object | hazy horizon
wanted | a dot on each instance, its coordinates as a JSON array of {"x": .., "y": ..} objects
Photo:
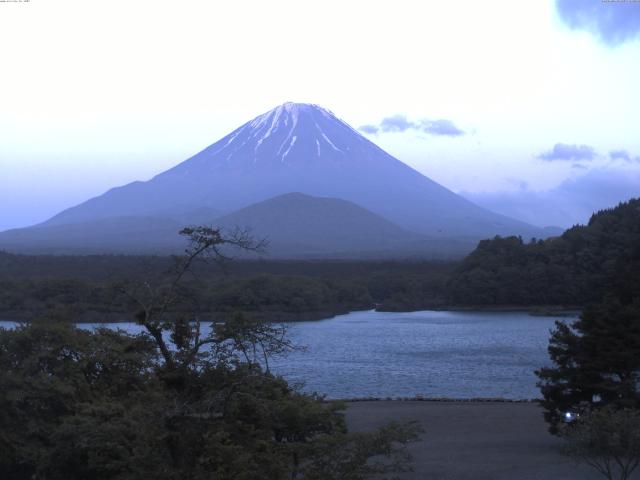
[{"x": 528, "y": 109}]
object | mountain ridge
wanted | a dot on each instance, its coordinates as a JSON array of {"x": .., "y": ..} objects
[
  {"x": 298, "y": 224},
  {"x": 294, "y": 225},
  {"x": 299, "y": 148}
]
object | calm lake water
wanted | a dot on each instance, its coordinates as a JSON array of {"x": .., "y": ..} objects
[{"x": 434, "y": 354}]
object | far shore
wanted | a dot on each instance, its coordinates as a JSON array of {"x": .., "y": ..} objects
[
  {"x": 541, "y": 310},
  {"x": 292, "y": 317},
  {"x": 102, "y": 317}
]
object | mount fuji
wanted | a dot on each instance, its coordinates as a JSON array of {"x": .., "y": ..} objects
[{"x": 293, "y": 148}]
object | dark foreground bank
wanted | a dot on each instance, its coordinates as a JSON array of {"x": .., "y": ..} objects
[{"x": 475, "y": 441}]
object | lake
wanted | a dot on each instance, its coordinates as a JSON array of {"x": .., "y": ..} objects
[{"x": 404, "y": 354}]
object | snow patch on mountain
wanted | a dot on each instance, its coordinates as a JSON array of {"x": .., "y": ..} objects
[{"x": 293, "y": 142}]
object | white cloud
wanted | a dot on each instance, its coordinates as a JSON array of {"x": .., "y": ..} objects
[{"x": 571, "y": 202}]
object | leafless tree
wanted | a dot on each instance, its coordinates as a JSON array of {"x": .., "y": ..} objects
[{"x": 180, "y": 337}]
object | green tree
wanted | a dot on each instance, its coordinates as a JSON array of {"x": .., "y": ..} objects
[
  {"x": 72, "y": 402},
  {"x": 596, "y": 361},
  {"x": 181, "y": 400},
  {"x": 581, "y": 266},
  {"x": 607, "y": 440}
]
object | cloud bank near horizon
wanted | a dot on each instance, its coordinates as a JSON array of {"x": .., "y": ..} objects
[
  {"x": 400, "y": 123},
  {"x": 623, "y": 155},
  {"x": 568, "y": 153},
  {"x": 570, "y": 203}
]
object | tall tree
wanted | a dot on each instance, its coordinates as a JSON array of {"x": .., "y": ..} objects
[
  {"x": 597, "y": 359},
  {"x": 608, "y": 440},
  {"x": 181, "y": 400}
]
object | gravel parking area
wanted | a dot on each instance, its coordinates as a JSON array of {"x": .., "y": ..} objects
[{"x": 475, "y": 440}]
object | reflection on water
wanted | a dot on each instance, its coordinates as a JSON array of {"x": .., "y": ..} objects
[{"x": 434, "y": 354}]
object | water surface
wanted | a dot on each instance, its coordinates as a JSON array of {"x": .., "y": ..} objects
[{"x": 429, "y": 353}]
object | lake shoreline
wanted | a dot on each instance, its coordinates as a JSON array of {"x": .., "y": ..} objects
[
  {"x": 316, "y": 315},
  {"x": 420, "y": 398},
  {"x": 536, "y": 310},
  {"x": 105, "y": 317}
]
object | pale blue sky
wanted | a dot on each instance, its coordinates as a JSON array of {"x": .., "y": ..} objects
[{"x": 98, "y": 94}]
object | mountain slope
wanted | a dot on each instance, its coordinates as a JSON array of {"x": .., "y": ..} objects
[
  {"x": 126, "y": 234},
  {"x": 116, "y": 234},
  {"x": 296, "y": 224},
  {"x": 300, "y": 148}
]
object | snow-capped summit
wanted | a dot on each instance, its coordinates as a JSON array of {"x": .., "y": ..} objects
[
  {"x": 289, "y": 134},
  {"x": 298, "y": 147}
]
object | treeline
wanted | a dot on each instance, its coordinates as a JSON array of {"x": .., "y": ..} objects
[
  {"x": 94, "y": 288},
  {"x": 275, "y": 297},
  {"x": 573, "y": 269}
]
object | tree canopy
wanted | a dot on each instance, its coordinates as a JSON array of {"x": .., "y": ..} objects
[
  {"x": 576, "y": 268},
  {"x": 177, "y": 401},
  {"x": 596, "y": 360}
]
